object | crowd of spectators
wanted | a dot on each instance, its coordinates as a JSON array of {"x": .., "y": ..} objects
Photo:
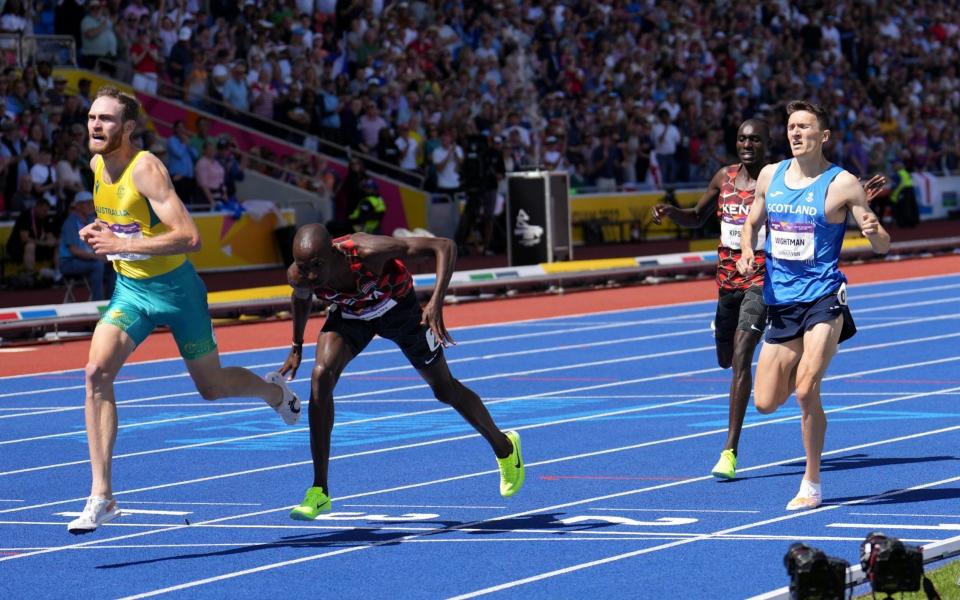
[
  {"x": 616, "y": 91},
  {"x": 45, "y": 175},
  {"x": 620, "y": 93}
]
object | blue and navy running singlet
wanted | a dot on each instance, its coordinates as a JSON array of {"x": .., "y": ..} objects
[{"x": 802, "y": 247}]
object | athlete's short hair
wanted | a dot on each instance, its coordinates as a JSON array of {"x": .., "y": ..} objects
[
  {"x": 130, "y": 107},
  {"x": 818, "y": 111}
]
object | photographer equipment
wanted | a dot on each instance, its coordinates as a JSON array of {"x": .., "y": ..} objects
[
  {"x": 474, "y": 168},
  {"x": 889, "y": 565},
  {"x": 814, "y": 575}
]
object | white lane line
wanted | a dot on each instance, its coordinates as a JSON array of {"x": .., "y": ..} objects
[
  {"x": 679, "y": 510},
  {"x": 271, "y": 566},
  {"x": 167, "y": 503},
  {"x": 560, "y": 531},
  {"x": 906, "y": 292},
  {"x": 910, "y": 515},
  {"x": 487, "y": 357},
  {"x": 289, "y": 431},
  {"x": 885, "y": 526},
  {"x": 377, "y": 371},
  {"x": 431, "y": 400},
  {"x": 640, "y": 309},
  {"x": 561, "y": 331},
  {"x": 207, "y": 404},
  {"x": 80, "y": 406},
  {"x": 457, "y": 506},
  {"x": 83, "y": 432},
  {"x": 544, "y": 394},
  {"x": 471, "y": 475},
  {"x": 391, "y": 350},
  {"x": 134, "y": 511},
  {"x": 541, "y": 395},
  {"x": 626, "y": 555},
  {"x": 566, "y": 538}
]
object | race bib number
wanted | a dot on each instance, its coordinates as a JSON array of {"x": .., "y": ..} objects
[
  {"x": 731, "y": 235},
  {"x": 128, "y": 231},
  {"x": 792, "y": 241},
  {"x": 371, "y": 312}
]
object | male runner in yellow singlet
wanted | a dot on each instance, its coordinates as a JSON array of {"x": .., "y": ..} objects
[{"x": 144, "y": 228}]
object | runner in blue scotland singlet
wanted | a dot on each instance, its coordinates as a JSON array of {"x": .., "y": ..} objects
[
  {"x": 804, "y": 203},
  {"x": 803, "y": 247}
]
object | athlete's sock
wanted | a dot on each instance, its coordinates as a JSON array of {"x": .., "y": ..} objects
[{"x": 809, "y": 489}]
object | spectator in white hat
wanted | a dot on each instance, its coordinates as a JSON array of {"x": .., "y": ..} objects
[{"x": 76, "y": 257}]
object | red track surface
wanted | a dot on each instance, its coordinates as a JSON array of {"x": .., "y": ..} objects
[{"x": 73, "y": 355}]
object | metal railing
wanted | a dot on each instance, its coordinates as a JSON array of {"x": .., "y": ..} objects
[
  {"x": 18, "y": 50},
  {"x": 320, "y": 195}
]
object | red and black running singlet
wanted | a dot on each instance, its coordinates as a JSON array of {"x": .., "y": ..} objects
[
  {"x": 733, "y": 205},
  {"x": 376, "y": 294}
]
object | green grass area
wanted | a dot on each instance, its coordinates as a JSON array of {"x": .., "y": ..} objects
[{"x": 945, "y": 579}]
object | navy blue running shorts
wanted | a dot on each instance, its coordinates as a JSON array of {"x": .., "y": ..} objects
[{"x": 791, "y": 321}]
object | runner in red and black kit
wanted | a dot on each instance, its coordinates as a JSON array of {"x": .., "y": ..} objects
[
  {"x": 741, "y": 313},
  {"x": 369, "y": 292}
]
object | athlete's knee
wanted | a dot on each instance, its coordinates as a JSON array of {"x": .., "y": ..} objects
[
  {"x": 765, "y": 405},
  {"x": 808, "y": 395},
  {"x": 447, "y": 394},
  {"x": 98, "y": 376},
  {"x": 768, "y": 401},
  {"x": 450, "y": 391},
  {"x": 208, "y": 390},
  {"x": 323, "y": 379}
]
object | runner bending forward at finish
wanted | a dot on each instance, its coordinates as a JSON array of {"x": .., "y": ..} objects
[
  {"x": 804, "y": 202},
  {"x": 144, "y": 228},
  {"x": 369, "y": 292}
]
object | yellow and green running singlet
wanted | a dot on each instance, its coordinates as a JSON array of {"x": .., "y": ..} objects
[{"x": 129, "y": 215}]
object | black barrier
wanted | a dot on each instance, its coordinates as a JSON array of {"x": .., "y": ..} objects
[{"x": 538, "y": 218}]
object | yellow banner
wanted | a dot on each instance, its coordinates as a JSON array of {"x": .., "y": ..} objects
[
  {"x": 620, "y": 214},
  {"x": 227, "y": 243},
  {"x": 230, "y": 243}
]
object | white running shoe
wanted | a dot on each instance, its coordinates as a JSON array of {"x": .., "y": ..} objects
[
  {"x": 289, "y": 407},
  {"x": 97, "y": 512}
]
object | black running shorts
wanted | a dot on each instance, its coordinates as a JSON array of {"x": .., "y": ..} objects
[
  {"x": 400, "y": 324},
  {"x": 739, "y": 309}
]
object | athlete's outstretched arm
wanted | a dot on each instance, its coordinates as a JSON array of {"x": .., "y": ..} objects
[
  {"x": 301, "y": 299},
  {"x": 377, "y": 249},
  {"x": 695, "y": 216},
  {"x": 153, "y": 181},
  {"x": 855, "y": 197},
  {"x": 755, "y": 220}
]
